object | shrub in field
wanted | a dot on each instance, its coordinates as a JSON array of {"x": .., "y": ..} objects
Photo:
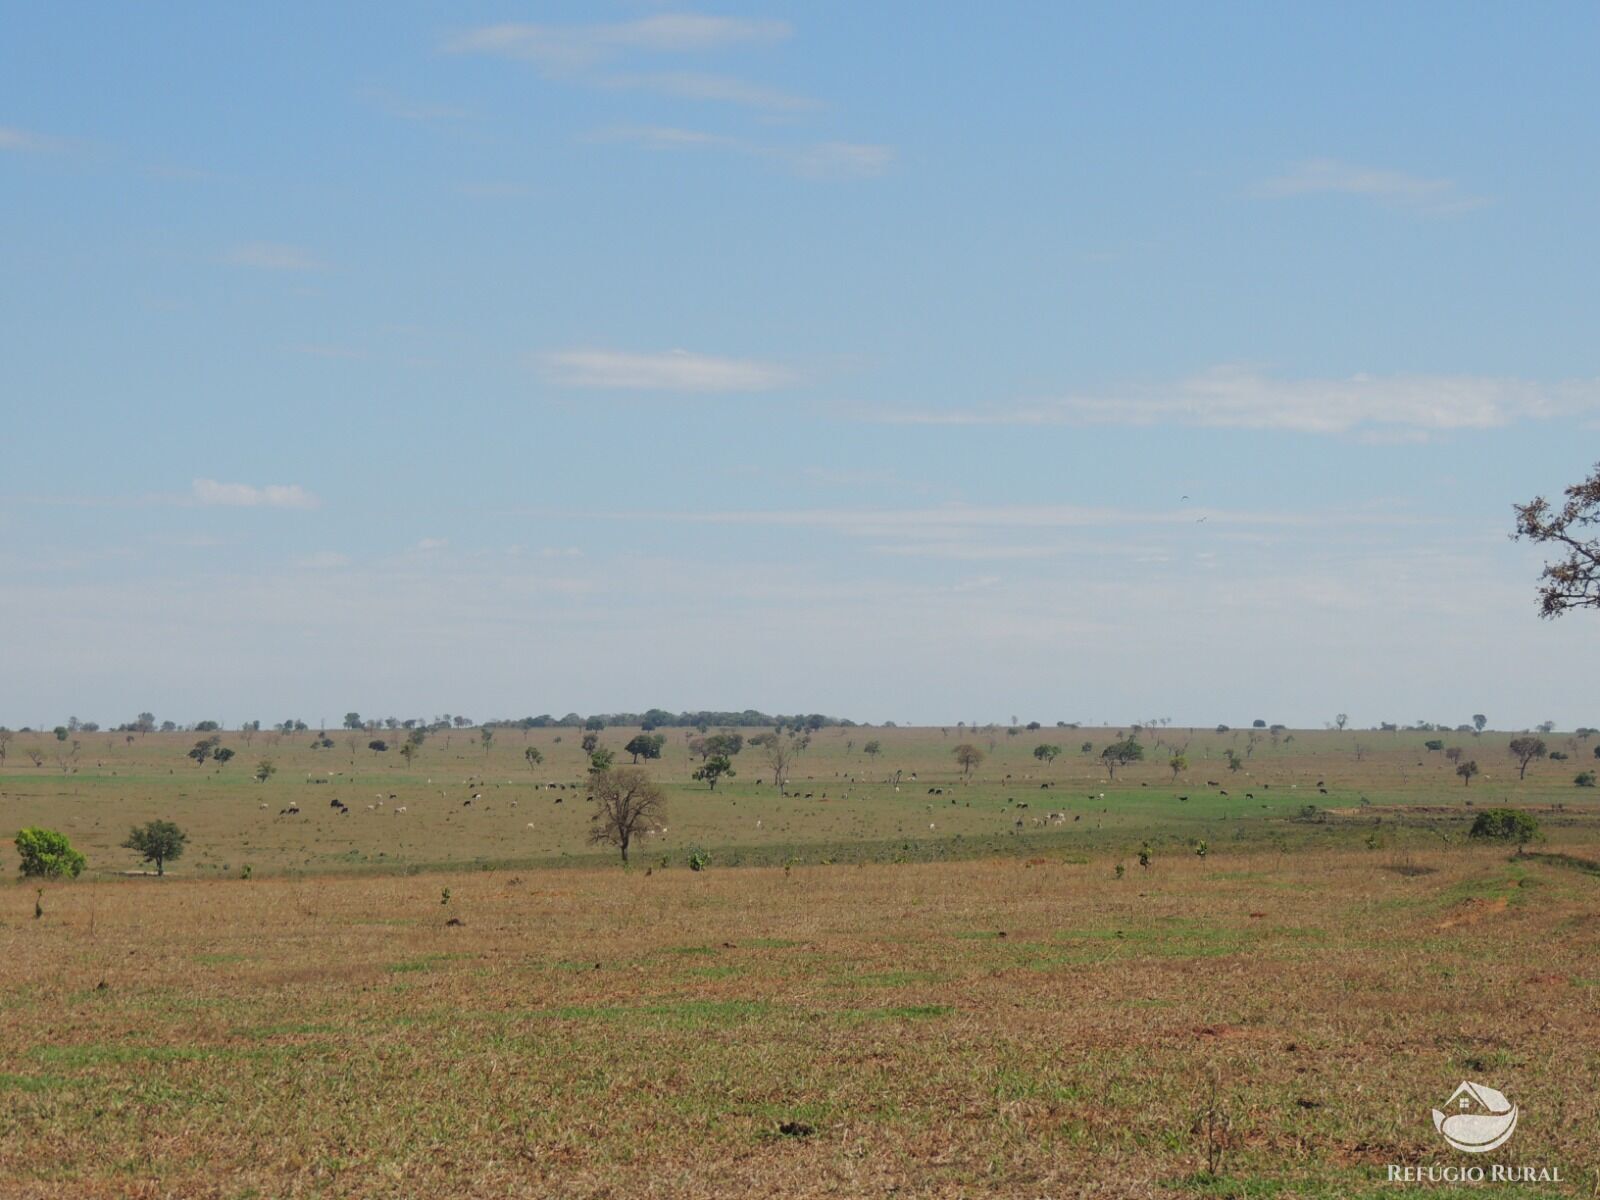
[
  {"x": 699, "y": 860},
  {"x": 1505, "y": 825},
  {"x": 1585, "y": 779},
  {"x": 47, "y": 854}
]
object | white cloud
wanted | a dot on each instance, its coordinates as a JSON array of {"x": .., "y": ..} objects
[
  {"x": 1376, "y": 407},
  {"x": 210, "y": 493},
  {"x": 272, "y": 256},
  {"x": 674, "y": 371},
  {"x": 570, "y": 46},
  {"x": 1324, "y": 176}
]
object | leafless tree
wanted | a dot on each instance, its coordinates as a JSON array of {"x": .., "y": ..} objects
[
  {"x": 968, "y": 757},
  {"x": 5, "y": 744},
  {"x": 1573, "y": 581},
  {"x": 627, "y": 803},
  {"x": 781, "y": 753}
]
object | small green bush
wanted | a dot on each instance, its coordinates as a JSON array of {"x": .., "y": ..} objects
[
  {"x": 47, "y": 854},
  {"x": 1505, "y": 825},
  {"x": 1585, "y": 779}
]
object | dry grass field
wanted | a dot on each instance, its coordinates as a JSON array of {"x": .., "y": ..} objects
[{"x": 1274, "y": 1018}]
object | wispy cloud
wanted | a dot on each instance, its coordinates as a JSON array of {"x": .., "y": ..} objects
[
  {"x": 566, "y": 47},
  {"x": 412, "y": 110},
  {"x": 620, "y": 54},
  {"x": 211, "y": 493},
  {"x": 821, "y": 160},
  {"x": 272, "y": 256},
  {"x": 673, "y": 371},
  {"x": 1382, "y": 407},
  {"x": 21, "y": 141},
  {"x": 721, "y": 89},
  {"x": 838, "y": 160},
  {"x": 1327, "y": 176},
  {"x": 323, "y": 560}
]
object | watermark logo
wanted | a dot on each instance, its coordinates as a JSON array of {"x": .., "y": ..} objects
[{"x": 1476, "y": 1119}]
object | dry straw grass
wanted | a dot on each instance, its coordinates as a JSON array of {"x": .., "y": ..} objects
[{"x": 985, "y": 1028}]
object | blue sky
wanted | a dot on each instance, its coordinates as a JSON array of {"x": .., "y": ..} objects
[{"x": 880, "y": 360}]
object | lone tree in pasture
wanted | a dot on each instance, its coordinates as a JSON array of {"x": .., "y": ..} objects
[
  {"x": 1453, "y": 754},
  {"x": 534, "y": 755},
  {"x": 781, "y": 754},
  {"x": 714, "y": 769},
  {"x": 203, "y": 750},
  {"x": 408, "y": 751},
  {"x": 1178, "y": 764},
  {"x": 1047, "y": 752},
  {"x": 222, "y": 754},
  {"x": 1525, "y": 750},
  {"x": 590, "y": 743},
  {"x": 1340, "y": 721},
  {"x": 486, "y": 736},
  {"x": 1467, "y": 770},
  {"x": 160, "y": 842},
  {"x": 352, "y": 720},
  {"x": 265, "y": 770},
  {"x": 5, "y": 743},
  {"x": 872, "y": 749},
  {"x": 1574, "y": 580},
  {"x": 47, "y": 854},
  {"x": 647, "y": 745},
  {"x": 627, "y": 803},
  {"x": 378, "y": 746},
  {"x": 601, "y": 760},
  {"x": 967, "y": 758},
  {"x": 1120, "y": 754},
  {"x": 1479, "y": 721}
]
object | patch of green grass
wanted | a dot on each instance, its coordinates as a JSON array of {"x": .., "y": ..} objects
[{"x": 32, "y": 1083}]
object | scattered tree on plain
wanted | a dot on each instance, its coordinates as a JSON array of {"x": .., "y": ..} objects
[
  {"x": 714, "y": 768},
  {"x": 1525, "y": 750},
  {"x": 967, "y": 757},
  {"x": 1121, "y": 753},
  {"x": 1047, "y": 752},
  {"x": 627, "y": 803},
  {"x": 781, "y": 753},
  {"x": 647, "y": 745},
  {"x": 160, "y": 842},
  {"x": 1178, "y": 764},
  {"x": 534, "y": 755},
  {"x": 1467, "y": 770}
]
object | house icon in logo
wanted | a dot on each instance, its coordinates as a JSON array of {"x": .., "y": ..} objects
[{"x": 1476, "y": 1119}]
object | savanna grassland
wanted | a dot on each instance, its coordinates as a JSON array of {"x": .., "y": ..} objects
[{"x": 868, "y": 1006}]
